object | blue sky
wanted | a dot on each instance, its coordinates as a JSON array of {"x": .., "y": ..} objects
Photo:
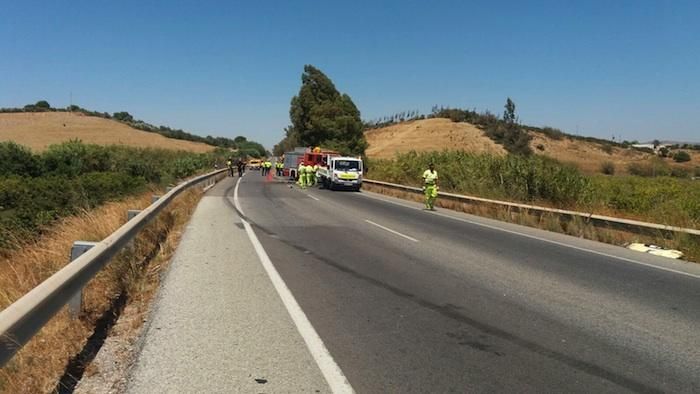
[{"x": 628, "y": 68}]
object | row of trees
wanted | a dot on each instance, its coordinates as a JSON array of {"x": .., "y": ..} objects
[{"x": 322, "y": 116}]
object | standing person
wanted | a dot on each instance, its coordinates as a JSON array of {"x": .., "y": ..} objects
[
  {"x": 280, "y": 166},
  {"x": 229, "y": 164},
  {"x": 241, "y": 166},
  {"x": 301, "y": 172},
  {"x": 313, "y": 173},
  {"x": 309, "y": 175},
  {"x": 430, "y": 182}
]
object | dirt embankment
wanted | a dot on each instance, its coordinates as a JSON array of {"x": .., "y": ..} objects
[
  {"x": 39, "y": 130},
  {"x": 428, "y": 135}
]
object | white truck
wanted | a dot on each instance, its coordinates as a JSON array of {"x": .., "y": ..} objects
[{"x": 340, "y": 172}]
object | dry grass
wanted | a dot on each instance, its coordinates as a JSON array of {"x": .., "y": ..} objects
[
  {"x": 577, "y": 227},
  {"x": 38, "y": 366},
  {"x": 39, "y": 130},
  {"x": 428, "y": 135},
  {"x": 443, "y": 134},
  {"x": 587, "y": 156}
]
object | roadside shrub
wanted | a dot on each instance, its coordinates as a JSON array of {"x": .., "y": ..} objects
[
  {"x": 513, "y": 138},
  {"x": 653, "y": 168},
  {"x": 679, "y": 172},
  {"x": 681, "y": 156},
  {"x": 35, "y": 190},
  {"x": 513, "y": 177},
  {"x": 17, "y": 160},
  {"x": 553, "y": 133},
  {"x": 608, "y": 168}
]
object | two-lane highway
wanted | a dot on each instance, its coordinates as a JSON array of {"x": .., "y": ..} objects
[{"x": 412, "y": 301}]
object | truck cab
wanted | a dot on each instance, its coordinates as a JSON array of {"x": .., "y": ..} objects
[{"x": 341, "y": 172}]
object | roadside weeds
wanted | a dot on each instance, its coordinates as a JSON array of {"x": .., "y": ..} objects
[
  {"x": 577, "y": 227},
  {"x": 39, "y": 365}
]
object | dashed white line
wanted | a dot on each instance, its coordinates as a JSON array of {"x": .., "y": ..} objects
[
  {"x": 315, "y": 198},
  {"x": 541, "y": 239},
  {"x": 329, "y": 368},
  {"x": 391, "y": 231}
]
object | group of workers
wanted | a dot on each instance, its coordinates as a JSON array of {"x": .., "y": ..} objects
[
  {"x": 307, "y": 175},
  {"x": 239, "y": 164},
  {"x": 265, "y": 167}
]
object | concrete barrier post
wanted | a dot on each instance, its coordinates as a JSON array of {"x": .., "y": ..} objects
[{"x": 75, "y": 304}]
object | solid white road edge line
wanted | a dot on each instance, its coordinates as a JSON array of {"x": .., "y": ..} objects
[
  {"x": 334, "y": 376},
  {"x": 391, "y": 231},
  {"x": 542, "y": 239}
]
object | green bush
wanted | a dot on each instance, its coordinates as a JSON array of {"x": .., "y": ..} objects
[
  {"x": 680, "y": 172},
  {"x": 37, "y": 189},
  {"x": 653, "y": 168},
  {"x": 17, "y": 160},
  {"x": 553, "y": 133},
  {"x": 525, "y": 178},
  {"x": 531, "y": 179},
  {"x": 681, "y": 156},
  {"x": 608, "y": 168}
]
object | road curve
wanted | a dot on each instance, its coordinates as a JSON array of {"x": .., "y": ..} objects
[{"x": 411, "y": 301}]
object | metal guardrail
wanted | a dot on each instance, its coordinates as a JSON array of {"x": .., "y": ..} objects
[
  {"x": 627, "y": 224},
  {"x": 20, "y": 321}
]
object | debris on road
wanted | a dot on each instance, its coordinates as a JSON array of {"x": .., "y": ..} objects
[{"x": 656, "y": 250}]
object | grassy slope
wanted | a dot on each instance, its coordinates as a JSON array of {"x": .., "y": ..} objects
[
  {"x": 439, "y": 134},
  {"x": 39, "y": 130}
]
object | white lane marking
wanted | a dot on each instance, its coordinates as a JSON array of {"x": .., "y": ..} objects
[
  {"x": 315, "y": 198},
  {"x": 542, "y": 239},
  {"x": 391, "y": 231},
  {"x": 335, "y": 378}
]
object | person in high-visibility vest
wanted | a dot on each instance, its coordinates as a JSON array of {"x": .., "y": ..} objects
[
  {"x": 310, "y": 175},
  {"x": 229, "y": 164},
  {"x": 280, "y": 167},
  {"x": 301, "y": 173},
  {"x": 430, "y": 186},
  {"x": 315, "y": 179}
]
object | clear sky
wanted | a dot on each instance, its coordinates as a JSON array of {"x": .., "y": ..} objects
[{"x": 628, "y": 68}]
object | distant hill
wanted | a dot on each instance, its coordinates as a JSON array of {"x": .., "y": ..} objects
[
  {"x": 440, "y": 133},
  {"x": 38, "y": 130}
]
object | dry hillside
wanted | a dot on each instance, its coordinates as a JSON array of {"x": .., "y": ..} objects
[
  {"x": 441, "y": 134},
  {"x": 428, "y": 135},
  {"x": 39, "y": 130}
]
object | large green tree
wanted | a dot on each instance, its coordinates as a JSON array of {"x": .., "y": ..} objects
[{"x": 322, "y": 116}]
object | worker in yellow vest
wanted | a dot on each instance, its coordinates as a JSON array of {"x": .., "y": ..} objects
[
  {"x": 309, "y": 170},
  {"x": 301, "y": 173},
  {"x": 430, "y": 186},
  {"x": 279, "y": 165}
]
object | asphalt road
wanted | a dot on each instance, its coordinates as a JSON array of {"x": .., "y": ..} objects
[{"x": 412, "y": 301}]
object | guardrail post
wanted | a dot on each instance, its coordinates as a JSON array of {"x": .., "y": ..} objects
[
  {"x": 75, "y": 304},
  {"x": 130, "y": 214}
]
